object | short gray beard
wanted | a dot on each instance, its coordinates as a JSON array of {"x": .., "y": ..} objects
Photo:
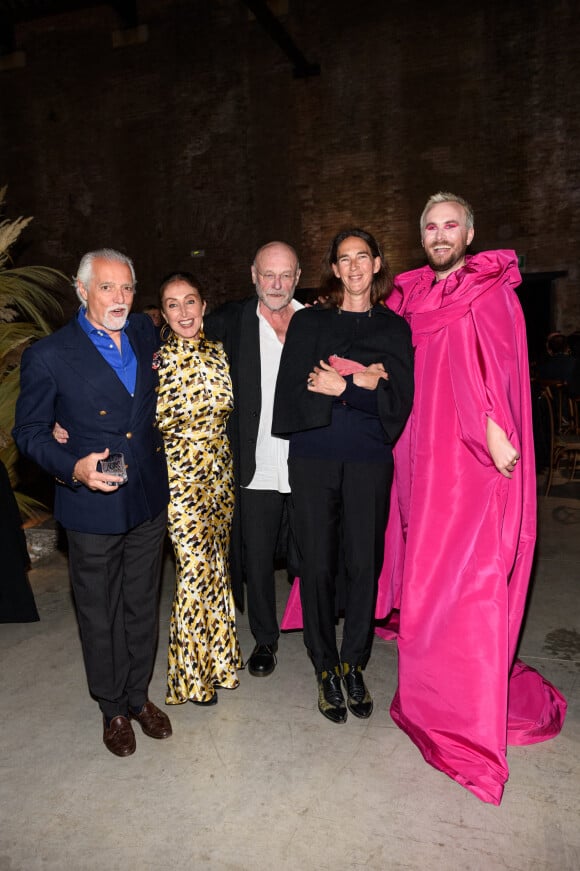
[
  {"x": 115, "y": 324},
  {"x": 262, "y": 296}
]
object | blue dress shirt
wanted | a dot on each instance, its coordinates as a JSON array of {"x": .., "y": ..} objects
[{"x": 124, "y": 363}]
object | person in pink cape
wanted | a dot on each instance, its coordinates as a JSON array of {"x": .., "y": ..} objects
[{"x": 461, "y": 531}]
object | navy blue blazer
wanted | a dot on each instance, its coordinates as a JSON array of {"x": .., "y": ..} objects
[{"x": 64, "y": 378}]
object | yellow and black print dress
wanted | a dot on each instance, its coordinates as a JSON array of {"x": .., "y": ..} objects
[{"x": 195, "y": 400}]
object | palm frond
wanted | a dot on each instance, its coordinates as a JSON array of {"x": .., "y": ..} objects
[
  {"x": 9, "y": 388},
  {"x": 27, "y": 306},
  {"x": 9, "y": 233},
  {"x": 40, "y": 275},
  {"x": 28, "y": 290},
  {"x": 29, "y": 507},
  {"x": 13, "y": 336},
  {"x": 9, "y": 456}
]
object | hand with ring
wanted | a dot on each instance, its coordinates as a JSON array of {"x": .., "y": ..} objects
[
  {"x": 326, "y": 380},
  {"x": 503, "y": 453}
]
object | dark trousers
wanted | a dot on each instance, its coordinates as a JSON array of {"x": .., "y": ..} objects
[
  {"x": 115, "y": 581},
  {"x": 340, "y": 512},
  {"x": 262, "y": 512}
]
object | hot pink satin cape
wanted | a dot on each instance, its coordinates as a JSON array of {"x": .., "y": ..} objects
[{"x": 460, "y": 537}]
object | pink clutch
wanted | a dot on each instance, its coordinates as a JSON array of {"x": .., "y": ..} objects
[{"x": 344, "y": 366}]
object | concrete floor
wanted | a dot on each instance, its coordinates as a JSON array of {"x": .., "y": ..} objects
[{"x": 262, "y": 781}]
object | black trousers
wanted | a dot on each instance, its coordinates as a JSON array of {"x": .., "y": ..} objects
[
  {"x": 340, "y": 512},
  {"x": 115, "y": 581},
  {"x": 262, "y": 512}
]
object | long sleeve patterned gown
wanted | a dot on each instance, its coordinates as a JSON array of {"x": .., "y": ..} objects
[{"x": 194, "y": 403}]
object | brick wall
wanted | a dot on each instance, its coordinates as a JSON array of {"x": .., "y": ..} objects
[{"x": 200, "y": 137}]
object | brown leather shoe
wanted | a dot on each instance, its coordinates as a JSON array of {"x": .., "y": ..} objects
[
  {"x": 153, "y": 721},
  {"x": 119, "y": 738}
]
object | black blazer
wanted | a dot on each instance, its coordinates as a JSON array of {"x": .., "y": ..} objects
[
  {"x": 313, "y": 335},
  {"x": 64, "y": 378},
  {"x": 237, "y": 326}
]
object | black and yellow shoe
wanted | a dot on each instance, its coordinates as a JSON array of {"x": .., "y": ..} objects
[
  {"x": 330, "y": 698},
  {"x": 358, "y": 698}
]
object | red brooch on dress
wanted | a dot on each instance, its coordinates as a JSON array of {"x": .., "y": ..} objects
[{"x": 156, "y": 360}]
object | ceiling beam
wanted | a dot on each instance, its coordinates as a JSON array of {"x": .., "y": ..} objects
[{"x": 302, "y": 68}]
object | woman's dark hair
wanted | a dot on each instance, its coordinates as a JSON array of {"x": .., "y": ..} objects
[
  {"x": 331, "y": 286},
  {"x": 187, "y": 277}
]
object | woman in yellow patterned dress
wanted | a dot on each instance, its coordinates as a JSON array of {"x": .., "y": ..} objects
[{"x": 195, "y": 400}]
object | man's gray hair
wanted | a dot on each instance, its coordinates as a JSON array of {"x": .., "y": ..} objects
[
  {"x": 446, "y": 197},
  {"x": 85, "y": 270}
]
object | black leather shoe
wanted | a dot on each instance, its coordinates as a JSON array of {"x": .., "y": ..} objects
[
  {"x": 330, "y": 698},
  {"x": 358, "y": 698},
  {"x": 262, "y": 662}
]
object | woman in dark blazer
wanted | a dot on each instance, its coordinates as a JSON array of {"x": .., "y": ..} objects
[{"x": 344, "y": 392}]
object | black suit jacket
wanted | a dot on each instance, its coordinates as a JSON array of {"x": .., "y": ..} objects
[
  {"x": 237, "y": 326},
  {"x": 64, "y": 378}
]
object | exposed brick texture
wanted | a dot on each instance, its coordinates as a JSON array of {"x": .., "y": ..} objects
[{"x": 200, "y": 137}]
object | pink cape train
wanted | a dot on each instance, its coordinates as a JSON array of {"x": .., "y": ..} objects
[{"x": 460, "y": 538}]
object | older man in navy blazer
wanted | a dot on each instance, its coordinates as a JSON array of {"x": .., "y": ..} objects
[{"x": 97, "y": 378}]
